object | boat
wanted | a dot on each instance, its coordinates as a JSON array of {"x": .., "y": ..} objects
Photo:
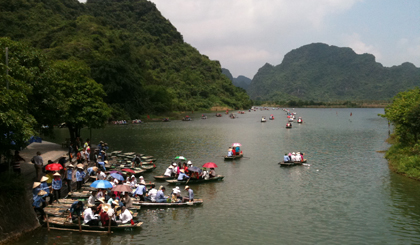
[
  {"x": 148, "y": 168},
  {"x": 187, "y": 118},
  {"x": 64, "y": 223},
  {"x": 218, "y": 115},
  {"x": 195, "y": 181},
  {"x": 291, "y": 119},
  {"x": 271, "y": 117},
  {"x": 288, "y": 125},
  {"x": 299, "y": 120},
  {"x": 196, "y": 202},
  {"x": 232, "y": 116},
  {"x": 165, "y": 120},
  {"x": 163, "y": 177},
  {"x": 263, "y": 119},
  {"x": 203, "y": 116},
  {"x": 289, "y": 164},
  {"x": 227, "y": 158}
]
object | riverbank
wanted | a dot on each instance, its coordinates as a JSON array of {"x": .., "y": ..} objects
[
  {"x": 17, "y": 214},
  {"x": 404, "y": 159}
]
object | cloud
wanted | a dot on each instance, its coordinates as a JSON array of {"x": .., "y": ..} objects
[{"x": 354, "y": 41}]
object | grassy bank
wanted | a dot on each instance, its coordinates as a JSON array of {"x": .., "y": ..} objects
[{"x": 404, "y": 159}]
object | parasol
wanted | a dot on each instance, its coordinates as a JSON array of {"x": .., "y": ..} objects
[
  {"x": 210, "y": 165},
  {"x": 194, "y": 169},
  {"x": 117, "y": 176},
  {"x": 180, "y": 158},
  {"x": 128, "y": 170},
  {"x": 54, "y": 167},
  {"x": 236, "y": 144},
  {"x": 122, "y": 188},
  {"x": 101, "y": 184}
]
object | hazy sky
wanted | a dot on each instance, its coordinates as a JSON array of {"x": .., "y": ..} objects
[{"x": 245, "y": 34}]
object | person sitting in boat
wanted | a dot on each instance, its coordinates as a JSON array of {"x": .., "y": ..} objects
[
  {"x": 237, "y": 150},
  {"x": 301, "y": 156},
  {"x": 151, "y": 195},
  {"x": 174, "y": 169},
  {"x": 185, "y": 168},
  {"x": 286, "y": 158},
  {"x": 107, "y": 215},
  {"x": 189, "y": 164},
  {"x": 182, "y": 176},
  {"x": 293, "y": 157},
  {"x": 125, "y": 215},
  {"x": 190, "y": 197},
  {"x": 92, "y": 171},
  {"x": 160, "y": 195},
  {"x": 140, "y": 191},
  {"x": 233, "y": 151},
  {"x": 230, "y": 154},
  {"x": 205, "y": 174},
  {"x": 76, "y": 210},
  {"x": 89, "y": 216},
  {"x": 133, "y": 182},
  {"x": 298, "y": 157},
  {"x": 176, "y": 197},
  {"x": 137, "y": 160},
  {"x": 169, "y": 171},
  {"x": 212, "y": 173},
  {"x": 100, "y": 175},
  {"x": 127, "y": 201},
  {"x": 92, "y": 199}
]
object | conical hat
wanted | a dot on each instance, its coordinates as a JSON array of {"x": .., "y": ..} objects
[
  {"x": 57, "y": 174},
  {"x": 44, "y": 178},
  {"x": 42, "y": 192},
  {"x": 36, "y": 184}
]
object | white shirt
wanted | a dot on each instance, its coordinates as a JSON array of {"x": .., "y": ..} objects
[
  {"x": 88, "y": 215},
  {"x": 168, "y": 172},
  {"x": 294, "y": 158},
  {"x": 126, "y": 217},
  {"x": 152, "y": 194},
  {"x": 298, "y": 158},
  {"x": 111, "y": 213},
  {"x": 101, "y": 176},
  {"x": 91, "y": 200}
]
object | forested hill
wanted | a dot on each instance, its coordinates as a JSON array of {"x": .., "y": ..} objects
[
  {"x": 240, "y": 81},
  {"x": 320, "y": 72},
  {"x": 137, "y": 54}
]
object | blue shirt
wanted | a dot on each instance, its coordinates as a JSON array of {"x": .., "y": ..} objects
[
  {"x": 69, "y": 174},
  {"x": 35, "y": 191},
  {"x": 90, "y": 170},
  {"x": 38, "y": 200},
  {"x": 286, "y": 158},
  {"x": 45, "y": 187},
  {"x": 75, "y": 210},
  {"x": 80, "y": 175},
  {"x": 190, "y": 194},
  {"x": 56, "y": 184},
  {"x": 141, "y": 189},
  {"x": 181, "y": 176},
  {"x": 160, "y": 195}
]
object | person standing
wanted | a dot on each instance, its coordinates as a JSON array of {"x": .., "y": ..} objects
[
  {"x": 38, "y": 204},
  {"x": 46, "y": 189},
  {"x": 80, "y": 176},
  {"x": 56, "y": 185},
  {"x": 16, "y": 162},
  {"x": 69, "y": 177},
  {"x": 38, "y": 163}
]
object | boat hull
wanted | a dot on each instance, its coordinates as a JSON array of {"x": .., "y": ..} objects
[
  {"x": 197, "y": 202},
  {"x": 233, "y": 157},
  {"x": 195, "y": 181}
]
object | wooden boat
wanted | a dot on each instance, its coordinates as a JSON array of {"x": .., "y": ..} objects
[
  {"x": 196, "y": 202},
  {"x": 64, "y": 223},
  {"x": 289, "y": 125},
  {"x": 205, "y": 117},
  {"x": 148, "y": 168},
  {"x": 79, "y": 195},
  {"x": 299, "y": 120},
  {"x": 56, "y": 212},
  {"x": 289, "y": 164},
  {"x": 163, "y": 177},
  {"x": 218, "y": 115},
  {"x": 186, "y": 119},
  {"x": 233, "y": 157},
  {"x": 195, "y": 181},
  {"x": 165, "y": 120},
  {"x": 263, "y": 119}
]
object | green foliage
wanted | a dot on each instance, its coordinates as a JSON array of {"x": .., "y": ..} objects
[
  {"x": 135, "y": 53},
  {"x": 325, "y": 73}
]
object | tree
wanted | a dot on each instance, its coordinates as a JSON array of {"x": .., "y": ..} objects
[
  {"x": 82, "y": 98},
  {"x": 404, "y": 113}
]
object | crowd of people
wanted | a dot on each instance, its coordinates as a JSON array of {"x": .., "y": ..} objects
[
  {"x": 182, "y": 172},
  {"x": 234, "y": 151},
  {"x": 293, "y": 157}
]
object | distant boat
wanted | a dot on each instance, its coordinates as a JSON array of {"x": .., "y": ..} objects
[{"x": 263, "y": 119}]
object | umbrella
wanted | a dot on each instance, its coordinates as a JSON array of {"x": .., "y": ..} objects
[
  {"x": 194, "y": 169},
  {"x": 128, "y": 170},
  {"x": 210, "y": 165},
  {"x": 236, "y": 144},
  {"x": 101, "y": 184},
  {"x": 122, "y": 188},
  {"x": 180, "y": 158},
  {"x": 115, "y": 172},
  {"x": 53, "y": 167},
  {"x": 117, "y": 176}
]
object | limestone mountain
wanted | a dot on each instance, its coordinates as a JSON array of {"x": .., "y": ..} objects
[
  {"x": 320, "y": 72},
  {"x": 240, "y": 81}
]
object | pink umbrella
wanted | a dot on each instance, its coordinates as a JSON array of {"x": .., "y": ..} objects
[
  {"x": 210, "y": 165},
  {"x": 122, "y": 188},
  {"x": 236, "y": 144}
]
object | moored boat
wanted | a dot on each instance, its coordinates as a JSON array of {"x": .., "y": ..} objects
[
  {"x": 196, "y": 202},
  {"x": 163, "y": 177},
  {"x": 64, "y": 223},
  {"x": 195, "y": 181}
]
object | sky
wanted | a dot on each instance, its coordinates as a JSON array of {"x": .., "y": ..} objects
[{"x": 243, "y": 35}]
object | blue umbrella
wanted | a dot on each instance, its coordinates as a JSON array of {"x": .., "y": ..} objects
[
  {"x": 101, "y": 184},
  {"x": 117, "y": 176},
  {"x": 194, "y": 169}
]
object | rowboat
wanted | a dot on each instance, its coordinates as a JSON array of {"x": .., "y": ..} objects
[
  {"x": 79, "y": 195},
  {"x": 195, "y": 181},
  {"x": 64, "y": 223},
  {"x": 289, "y": 164},
  {"x": 196, "y": 202},
  {"x": 163, "y": 177},
  {"x": 299, "y": 120},
  {"x": 289, "y": 125},
  {"x": 233, "y": 157},
  {"x": 263, "y": 119}
]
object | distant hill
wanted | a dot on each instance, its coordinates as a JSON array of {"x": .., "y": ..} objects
[
  {"x": 320, "y": 72},
  {"x": 137, "y": 55},
  {"x": 240, "y": 81}
]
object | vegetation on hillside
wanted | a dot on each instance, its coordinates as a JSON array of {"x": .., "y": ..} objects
[
  {"x": 240, "y": 81},
  {"x": 404, "y": 114},
  {"x": 136, "y": 54},
  {"x": 322, "y": 73}
]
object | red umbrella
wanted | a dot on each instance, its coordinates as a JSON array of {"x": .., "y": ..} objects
[
  {"x": 53, "y": 167},
  {"x": 128, "y": 170},
  {"x": 210, "y": 165}
]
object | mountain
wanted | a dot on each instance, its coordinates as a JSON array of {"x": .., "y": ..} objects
[
  {"x": 320, "y": 72},
  {"x": 137, "y": 55},
  {"x": 240, "y": 81}
]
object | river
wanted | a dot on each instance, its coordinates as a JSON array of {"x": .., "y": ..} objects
[{"x": 347, "y": 195}]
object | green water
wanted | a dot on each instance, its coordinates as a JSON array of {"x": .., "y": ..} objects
[{"x": 347, "y": 196}]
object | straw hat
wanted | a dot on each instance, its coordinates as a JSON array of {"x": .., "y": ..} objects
[
  {"x": 106, "y": 161},
  {"x": 95, "y": 169},
  {"x": 142, "y": 182},
  {"x": 293, "y": 153},
  {"x": 70, "y": 166},
  {"x": 141, "y": 177},
  {"x": 42, "y": 192},
  {"x": 101, "y": 200},
  {"x": 36, "y": 184},
  {"x": 176, "y": 190},
  {"x": 57, "y": 174},
  {"x": 115, "y": 202},
  {"x": 44, "y": 178},
  {"x": 171, "y": 166},
  {"x": 182, "y": 171},
  {"x": 174, "y": 164},
  {"x": 80, "y": 165},
  {"x": 132, "y": 176},
  {"x": 189, "y": 163},
  {"x": 187, "y": 187},
  {"x": 105, "y": 207}
]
